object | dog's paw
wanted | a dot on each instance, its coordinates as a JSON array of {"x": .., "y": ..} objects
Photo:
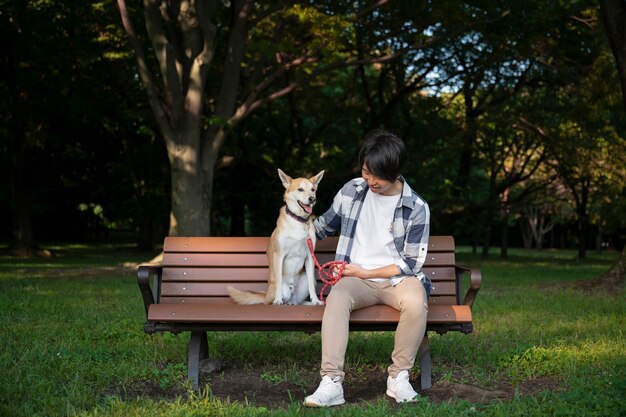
[
  {"x": 278, "y": 302},
  {"x": 317, "y": 302}
]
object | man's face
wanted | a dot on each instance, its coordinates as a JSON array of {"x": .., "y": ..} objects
[{"x": 378, "y": 185}]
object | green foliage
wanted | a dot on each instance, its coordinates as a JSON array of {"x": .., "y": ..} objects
[
  {"x": 74, "y": 127},
  {"x": 482, "y": 92}
]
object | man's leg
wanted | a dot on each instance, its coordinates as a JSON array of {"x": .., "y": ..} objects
[
  {"x": 348, "y": 294},
  {"x": 409, "y": 297}
]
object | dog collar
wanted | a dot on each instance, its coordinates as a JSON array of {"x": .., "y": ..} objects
[{"x": 295, "y": 216}]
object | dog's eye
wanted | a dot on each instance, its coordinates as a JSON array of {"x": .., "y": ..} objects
[
  {"x": 300, "y": 189},
  {"x": 313, "y": 189}
]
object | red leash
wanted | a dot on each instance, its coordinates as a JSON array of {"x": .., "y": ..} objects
[{"x": 325, "y": 272}]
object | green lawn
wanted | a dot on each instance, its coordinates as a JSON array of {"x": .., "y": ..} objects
[{"x": 72, "y": 327}]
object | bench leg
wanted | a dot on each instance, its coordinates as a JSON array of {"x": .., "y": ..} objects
[
  {"x": 198, "y": 350},
  {"x": 425, "y": 365}
]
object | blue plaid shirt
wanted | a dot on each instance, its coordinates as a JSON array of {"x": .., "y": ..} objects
[{"x": 410, "y": 226}]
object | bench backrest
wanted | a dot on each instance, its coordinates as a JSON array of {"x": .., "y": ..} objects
[{"x": 198, "y": 269}]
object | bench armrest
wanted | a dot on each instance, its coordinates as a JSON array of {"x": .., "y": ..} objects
[
  {"x": 149, "y": 294},
  {"x": 475, "y": 279}
]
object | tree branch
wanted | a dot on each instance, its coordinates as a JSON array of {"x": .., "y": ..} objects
[
  {"x": 144, "y": 72},
  {"x": 166, "y": 57},
  {"x": 252, "y": 103}
]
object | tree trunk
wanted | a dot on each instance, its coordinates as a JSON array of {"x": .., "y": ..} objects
[
  {"x": 468, "y": 140},
  {"x": 527, "y": 235},
  {"x": 191, "y": 203},
  {"x": 492, "y": 202},
  {"x": 23, "y": 240},
  {"x": 506, "y": 215},
  {"x": 487, "y": 238},
  {"x": 614, "y": 16},
  {"x": 145, "y": 238},
  {"x": 583, "y": 220},
  {"x": 489, "y": 214}
]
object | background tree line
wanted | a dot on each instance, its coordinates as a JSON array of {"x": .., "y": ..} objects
[{"x": 171, "y": 117}]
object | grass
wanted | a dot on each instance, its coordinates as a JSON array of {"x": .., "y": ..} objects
[{"x": 71, "y": 328}]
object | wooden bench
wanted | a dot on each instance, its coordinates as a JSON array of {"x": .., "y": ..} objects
[{"x": 188, "y": 294}]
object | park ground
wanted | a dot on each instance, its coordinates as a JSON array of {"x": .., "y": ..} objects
[{"x": 548, "y": 340}]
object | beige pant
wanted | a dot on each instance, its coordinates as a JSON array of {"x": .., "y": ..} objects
[{"x": 350, "y": 293}]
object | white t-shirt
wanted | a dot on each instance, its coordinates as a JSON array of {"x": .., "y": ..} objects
[{"x": 373, "y": 245}]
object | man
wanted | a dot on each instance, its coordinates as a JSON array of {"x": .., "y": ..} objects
[{"x": 384, "y": 230}]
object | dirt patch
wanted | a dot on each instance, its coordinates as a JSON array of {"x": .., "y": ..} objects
[
  {"x": 612, "y": 281},
  {"x": 366, "y": 385},
  {"x": 144, "y": 389},
  {"x": 272, "y": 388},
  {"x": 611, "y": 285}
]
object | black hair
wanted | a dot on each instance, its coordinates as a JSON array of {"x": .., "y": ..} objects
[{"x": 384, "y": 154}]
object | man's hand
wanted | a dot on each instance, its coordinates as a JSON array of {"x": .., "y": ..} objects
[{"x": 354, "y": 270}]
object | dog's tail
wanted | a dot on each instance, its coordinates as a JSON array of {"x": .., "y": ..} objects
[{"x": 246, "y": 297}]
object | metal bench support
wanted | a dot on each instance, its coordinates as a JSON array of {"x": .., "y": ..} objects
[
  {"x": 198, "y": 350},
  {"x": 425, "y": 366}
]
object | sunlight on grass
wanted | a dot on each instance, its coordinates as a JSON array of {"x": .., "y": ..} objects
[{"x": 565, "y": 359}]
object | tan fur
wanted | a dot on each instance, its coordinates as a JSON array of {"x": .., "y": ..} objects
[{"x": 291, "y": 267}]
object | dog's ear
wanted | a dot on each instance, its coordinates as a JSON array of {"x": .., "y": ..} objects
[
  {"x": 286, "y": 179},
  {"x": 316, "y": 179}
]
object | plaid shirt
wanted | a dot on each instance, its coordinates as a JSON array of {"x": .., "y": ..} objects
[{"x": 410, "y": 226}]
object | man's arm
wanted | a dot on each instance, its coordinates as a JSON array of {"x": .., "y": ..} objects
[
  {"x": 354, "y": 270},
  {"x": 330, "y": 222}
]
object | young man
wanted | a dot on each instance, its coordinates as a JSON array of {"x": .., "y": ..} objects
[{"x": 384, "y": 229}]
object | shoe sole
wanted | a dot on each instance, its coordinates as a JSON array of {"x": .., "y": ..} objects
[
  {"x": 392, "y": 395},
  {"x": 317, "y": 405}
]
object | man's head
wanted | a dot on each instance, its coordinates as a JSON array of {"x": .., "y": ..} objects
[{"x": 384, "y": 155}]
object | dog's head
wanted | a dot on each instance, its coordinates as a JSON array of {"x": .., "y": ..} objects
[{"x": 300, "y": 193}]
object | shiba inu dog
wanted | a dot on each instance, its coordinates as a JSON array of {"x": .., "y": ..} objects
[{"x": 291, "y": 266}]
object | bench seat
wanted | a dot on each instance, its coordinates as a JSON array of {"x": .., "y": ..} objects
[{"x": 226, "y": 312}]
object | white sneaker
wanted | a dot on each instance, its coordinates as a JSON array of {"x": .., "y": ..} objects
[
  {"x": 330, "y": 392},
  {"x": 400, "y": 388}
]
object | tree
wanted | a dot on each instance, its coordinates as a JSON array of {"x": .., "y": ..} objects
[
  {"x": 47, "y": 57},
  {"x": 512, "y": 156},
  {"x": 511, "y": 48},
  {"x": 24, "y": 117},
  {"x": 207, "y": 81},
  {"x": 614, "y": 15}
]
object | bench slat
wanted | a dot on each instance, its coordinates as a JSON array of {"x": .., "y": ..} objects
[
  {"x": 260, "y": 259},
  {"x": 259, "y": 244},
  {"x": 232, "y": 313},
  {"x": 215, "y": 274},
  {"x": 440, "y": 300},
  {"x": 215, "y": 244},
  {"x": 218, "y": 289},
  {"x": 196, "y": 274},
  {"x": 215, "y": 259}
]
